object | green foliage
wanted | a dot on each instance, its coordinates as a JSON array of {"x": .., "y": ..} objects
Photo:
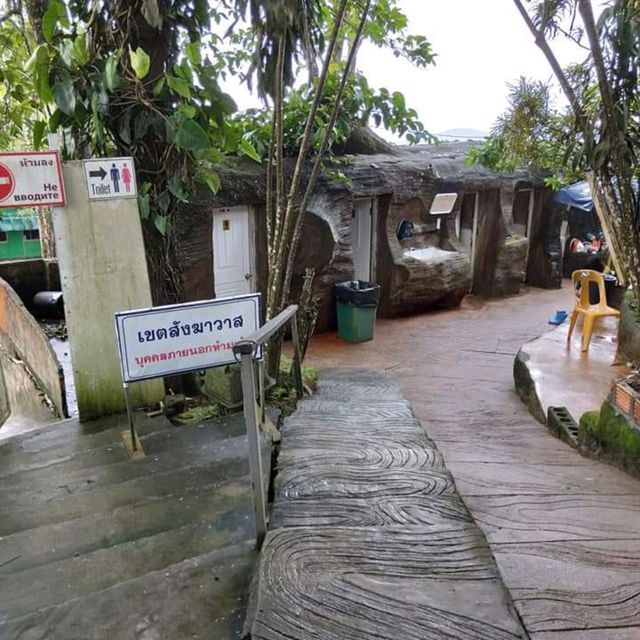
[
  {"x": 283, "y": 396},
  {"x": 106, "y": 94},
  {"x": 387, "y": 29},
  {"x": 21, "y": 112},
  {"x": 140, "y": 62},
  {"x": 361, "y": 106},
  {"x": 531, "y": 134}
]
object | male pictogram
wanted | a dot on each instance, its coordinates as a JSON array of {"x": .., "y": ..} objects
[
  {"x": 115, "y": 177},
  {"x": 7, "y": 182}
]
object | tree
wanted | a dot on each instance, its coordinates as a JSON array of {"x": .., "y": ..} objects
[
  {"x": 140, "y": 78},
  {"x": 134, "y": 78},
  {"x": 532, "y": 133},
  {"x": 324, "y": 38},
  {"x": 604, "y": 98}
]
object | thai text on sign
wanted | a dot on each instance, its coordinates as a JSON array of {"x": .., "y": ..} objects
[
  {"x": 164, "y": 341},
  {"x": 31, "y": 179}
]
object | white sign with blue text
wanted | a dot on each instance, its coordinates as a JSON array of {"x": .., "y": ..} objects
[
  {"x": 165, "y": 341},
  {"x": 109, "y": 178}
]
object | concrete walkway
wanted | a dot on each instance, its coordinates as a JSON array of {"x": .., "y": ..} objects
[
  {"x": 565, "y": 530},
  {"x": 368, "y": 538}
]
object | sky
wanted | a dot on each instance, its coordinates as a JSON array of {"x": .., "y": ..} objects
[{"x": 481, "y": 46}]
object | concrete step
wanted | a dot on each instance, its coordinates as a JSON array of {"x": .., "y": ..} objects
[
  {"x": 70, "y": 433},
  {"x": 106, "y": 446},
  {"x": 202, "y": 597},
  {"x": 225, "y": 505},
  {"x": 359, "y": 450},
  {"x": 390, "y": 582},
  {"x": 56, "y": 481},
  {"x": 57, "y": 582},
  {"x": 336, "y": 481},
  {"x": 128, "y": 483}
]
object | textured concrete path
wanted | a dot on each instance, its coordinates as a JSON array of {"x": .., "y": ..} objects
[
  {"x": 565, "y": 530},
  {"x": 368, "y": 536}
]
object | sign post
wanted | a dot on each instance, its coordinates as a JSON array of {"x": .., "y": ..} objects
[
  {"x": 175, "y": 339},
  {"x": 31, "y": 179}
]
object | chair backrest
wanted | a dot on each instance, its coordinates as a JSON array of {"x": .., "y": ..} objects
[{"x": 582, "y": 279}]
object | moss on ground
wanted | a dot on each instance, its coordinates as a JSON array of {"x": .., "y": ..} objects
[
  {"x": 590, "y": 424},
  {"x": 283, "y": 396},
  {"x": 612, "y": 435}
]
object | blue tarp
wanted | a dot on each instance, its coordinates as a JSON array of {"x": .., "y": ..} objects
[{"x": 577, "y": 195}]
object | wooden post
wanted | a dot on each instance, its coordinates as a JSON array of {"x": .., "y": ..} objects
[{"x": 601, "y": 207}]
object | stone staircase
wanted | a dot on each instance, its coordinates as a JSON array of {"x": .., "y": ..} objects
[
  {"x": 369, "y": 538},
  {"x": 93, "y": 546}
]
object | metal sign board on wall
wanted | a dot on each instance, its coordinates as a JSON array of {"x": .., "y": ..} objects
[
  {"x": 165, "y": 341},
  {"x": 31, "y": 179},
  {"x": 109, "y": 178}
]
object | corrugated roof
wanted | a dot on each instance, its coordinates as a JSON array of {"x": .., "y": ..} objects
[{"x": 16, "y": 220}]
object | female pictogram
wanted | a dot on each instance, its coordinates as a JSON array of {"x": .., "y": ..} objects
[{"x": 126, "y": 177}]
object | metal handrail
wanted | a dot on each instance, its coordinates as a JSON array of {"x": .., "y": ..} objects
[{"x": 246, "y": 350}]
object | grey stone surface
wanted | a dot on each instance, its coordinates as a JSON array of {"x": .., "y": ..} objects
[
  {"x": 584, "y": 584},
  {"x": 564, "y": 530},
  {"x": 93, "y": 546},
  {"x": 533, "y": 518},
  {"x": 199, "y": 598},
  {"x": 368, "y": 536}
]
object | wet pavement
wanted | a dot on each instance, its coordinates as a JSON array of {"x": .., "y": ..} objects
[
  {"x": 565, "y": 530},
  {"x": 368, "y": 538},
  {"x": 565, "y": 376}
]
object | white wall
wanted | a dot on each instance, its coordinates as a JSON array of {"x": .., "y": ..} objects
[{"x": 102, "y": 270}]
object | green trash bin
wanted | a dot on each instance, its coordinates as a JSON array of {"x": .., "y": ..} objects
[{"x": 357, "y": 304}]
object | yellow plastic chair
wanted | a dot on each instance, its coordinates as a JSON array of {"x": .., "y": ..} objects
[{"x": 581, "y": 281}]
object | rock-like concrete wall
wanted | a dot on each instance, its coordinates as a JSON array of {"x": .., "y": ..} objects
[
  {"x": 426, "y": 270},
  {"x": 32, "y": 383},
  {"x": 544, "y": 266},
  {"x": 408, "y": 283}
]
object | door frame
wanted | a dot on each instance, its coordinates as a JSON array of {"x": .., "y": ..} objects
[
  {"x": 474, "y": 226},
  {"x": 373, "y": 212},
  {"x": 474, "y": 232},
  {"x": 251, "y": 240}
]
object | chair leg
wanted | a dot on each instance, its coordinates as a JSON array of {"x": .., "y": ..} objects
[
  {"x": 587, "y": 330},
  {"x": 572, "y": 324}
]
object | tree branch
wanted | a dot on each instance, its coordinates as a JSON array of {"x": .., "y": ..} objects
[
  {"x": 315, "y": 172},
  {"x": 542, "y": 43}
]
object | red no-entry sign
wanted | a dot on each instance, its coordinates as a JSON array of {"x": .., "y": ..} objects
[
  {"x": 7, "y": 182},
  {"x": 31, "y": 179}
]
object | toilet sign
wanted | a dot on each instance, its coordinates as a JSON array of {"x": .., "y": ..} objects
[{"x": 109, "y": 178}]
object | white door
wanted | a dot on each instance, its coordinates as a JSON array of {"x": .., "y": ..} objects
[
  {"x": 361, "y": 227},
  {"x": 467, "y": 225},
  {"x": 231, "y": 252}
]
